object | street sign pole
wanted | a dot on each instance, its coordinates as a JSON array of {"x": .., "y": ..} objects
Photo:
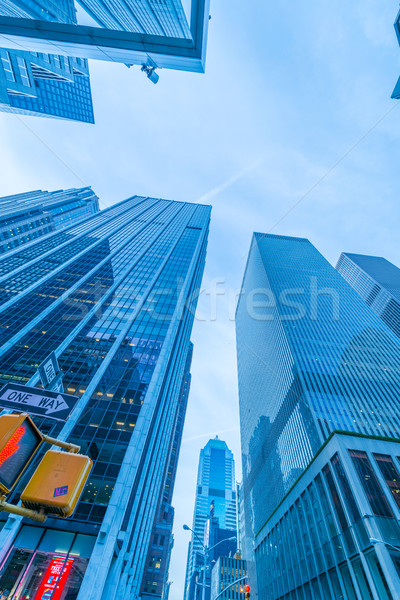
[{"x": 50, "y": 374}]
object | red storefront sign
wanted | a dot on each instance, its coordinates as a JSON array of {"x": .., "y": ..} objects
[{"x": 55, "y": 579}]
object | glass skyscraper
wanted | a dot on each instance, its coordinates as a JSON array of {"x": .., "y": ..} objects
[
  {"x": 25, "y": 217},
  {"x": 215, "y": 506},
  {"x": 313, "y": 359},
  {"x": 114, "y": 297},
  {"x": 377, "y": 281},
  {"x": 57, "y": 86},
  {"x": 38, "y": 84},
  {"x": 150, "y": 33},
  {"x": 155, "y": 579}
]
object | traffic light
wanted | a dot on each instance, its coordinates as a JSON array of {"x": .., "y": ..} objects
[
  {"x": 247, "y": 592},
  {"x": 20, "y": 439},
  {"x": 57, "y": 483}
]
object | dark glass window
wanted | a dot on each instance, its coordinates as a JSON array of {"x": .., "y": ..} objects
[
  {"x": 379, "y": 577},
  {"x": 339, "y": 510},
  {"x": 350, "y": 501},
  {"x": 362, "y": 580},
  {"x": 376, "y": 497},
  {"x": 390, "y": 474}
]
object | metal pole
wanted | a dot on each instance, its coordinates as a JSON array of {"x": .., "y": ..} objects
[
  {"x": 54, "y": 442},
  {"x": 203, "y": 593},
  {"x": 230, "y": 585},
  {"x": 23, "y": 512}
]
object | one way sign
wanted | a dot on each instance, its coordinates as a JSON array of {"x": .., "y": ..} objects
[{"x": 36, "y": 401}]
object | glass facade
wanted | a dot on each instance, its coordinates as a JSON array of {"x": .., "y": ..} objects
[
  {"x": 317, "y": 545},
  {"x": 32, "y": 83},
  {"x": 312, "y": 358},
  {"x": 377, "y": 281},
  {"x": 114, "y": 297},
  {"x": 62, "y": 11},
  {"x": 224, "y": 573},
  {"x": 215, "y": 501},
  {"x": 155, "y": 577},
  {"x": 25, "y": 217}
]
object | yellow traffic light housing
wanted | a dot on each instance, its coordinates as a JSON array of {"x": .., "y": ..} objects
[
  {"x": 20, "y": 439},
  {"x": 57, "y": 483}
]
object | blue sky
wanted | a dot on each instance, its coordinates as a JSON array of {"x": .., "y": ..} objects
[{"x": 295, "y": 106}]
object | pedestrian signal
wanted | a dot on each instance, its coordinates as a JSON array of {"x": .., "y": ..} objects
[
  {"x": 20, "y": 439},
  {"x": 57, "y": 483}
]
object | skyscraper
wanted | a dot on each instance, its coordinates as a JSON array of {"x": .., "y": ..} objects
[
  {"x": 155, "y": 578},
  {"x": 33, "y": 83},
  {"x": 313, "y": 359},
  {"x": 377, "y": 281},
  {"x": 114, "y": 297},
  {"x": 157, "y": 17},
  {"x": 215, "y": 506},
  {"x": 25, "y": 217},
  {"x": 151, "y": 33}
]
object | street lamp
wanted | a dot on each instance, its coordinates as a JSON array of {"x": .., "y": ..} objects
[
  {"x": 206, "y": 550},
  {"x": 376, "y": 541}
]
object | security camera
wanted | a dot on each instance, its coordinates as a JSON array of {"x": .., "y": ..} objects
[{"x": 151, "y": 73}]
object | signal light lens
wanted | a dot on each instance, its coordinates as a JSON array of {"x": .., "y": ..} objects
[
  {"x": 19, "y": 441},
  {"x": 247, "y": 588}
]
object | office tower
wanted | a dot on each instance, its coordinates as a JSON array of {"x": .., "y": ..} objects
[
  {"x": 25, "y": 217},
  {"x": 377, "y": 281},
  {"x": 37, "y": 84},
  {"x": 313, "y": 359},
  {"x": 40, "y": 84},
  {"x": 155, "y": 579},
  {"x": 215, "y": 505},
  {"x": 225, "y": 572},
  {"x": 154, "y": 17},
  {"x": 153, "y": 34},
  {"x": 114, "y": 297}
]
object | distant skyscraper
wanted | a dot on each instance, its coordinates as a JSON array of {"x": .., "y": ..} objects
[
  {"x": 157, "y": 17},
  {"x": 215, "y": 499},
  {"x": 377, "y": 281},
  {"x": 313, "y": 358},
  {"x": 25, "y": 217},
  {"x": 37, "y": 84},
  {"x": 114, "y": 297}
]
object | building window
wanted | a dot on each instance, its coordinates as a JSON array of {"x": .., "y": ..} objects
[
  {"x": 7, "y": 66},
  {"x": 339, "y": 510},
  {"x": 23, "y": 71},
  {"x": 362, "y": 581},
  {"x": 377, "y": 499},
  {"x": 390, "y": 475},
  {"x": 350, "y": 501},
  {"x": 378, "y": 576}
]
